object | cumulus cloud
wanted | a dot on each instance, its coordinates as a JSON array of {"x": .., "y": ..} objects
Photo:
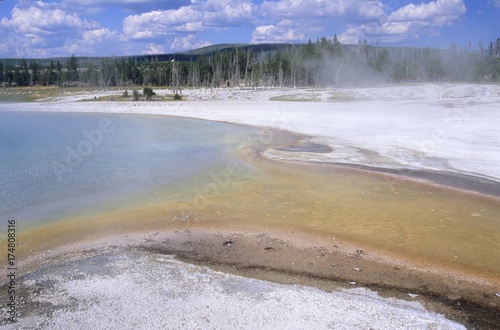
[
  {"x": 274, "y": 34},
  {"x": 43, "y": 18},
  {"x": 200, "y": 16},
  {"x": 92, "y": 6},
  {"x": 159, "y": 23},
  {"x": 187, "y": 42},
  {"x": 408, "y": 22},
  {"x": 345, "y": 9},
  {"x": 153, "y": 49},
  {"x": 312, "y": 17},
  {"x": 35, "y": 27},
  {"x": 227, "y": 12},
  {"x": 435, "y": 14},
  {"x": 98, "y": 36}
]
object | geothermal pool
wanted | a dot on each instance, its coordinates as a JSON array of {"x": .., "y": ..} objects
[
  {"x": 68, "y": 177},
  {"x": 57, "y": 166}
]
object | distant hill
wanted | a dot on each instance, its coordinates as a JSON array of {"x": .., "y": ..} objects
[
  {"x": 212, "y": 49},
  {"x": 189, "y": 55}
]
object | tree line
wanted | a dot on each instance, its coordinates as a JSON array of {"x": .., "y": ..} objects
[{"x": 324, "y": 62}]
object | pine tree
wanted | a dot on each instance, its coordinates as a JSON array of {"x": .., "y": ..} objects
[
  {"x": 23, "y": 75},
  {"x": 72, "y": 68},
  {"x": 59, "y": 73},
  {"x": 34, "y": 73}
]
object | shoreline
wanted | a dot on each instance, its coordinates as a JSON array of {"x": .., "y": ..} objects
[
  {"x": 460, "y": 182},
  {"x": 283, "y": 259},
  {"x": 300, "y": 258}
]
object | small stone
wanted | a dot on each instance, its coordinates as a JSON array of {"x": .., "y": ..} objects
[
  {"x": 357, "y": 269},
  {"x": 497, "y": 294},
  {"x": 352, "y": 283},
  {"x": 228, "y": 243},
  {"x": 413, "y": 295}
]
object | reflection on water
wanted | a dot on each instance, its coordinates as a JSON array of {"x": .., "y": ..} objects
[{"x": 238, "y": 189}]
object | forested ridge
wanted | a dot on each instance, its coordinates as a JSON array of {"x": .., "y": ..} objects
[{"x": 324, "y": 62}]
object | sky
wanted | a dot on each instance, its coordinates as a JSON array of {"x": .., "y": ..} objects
[{"x": 45, "y": 28}]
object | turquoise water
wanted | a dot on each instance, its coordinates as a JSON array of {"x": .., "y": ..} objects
[{"x": 56, "y": 165}]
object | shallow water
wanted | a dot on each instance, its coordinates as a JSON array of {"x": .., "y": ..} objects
[
  {"x": 419, "y": 222},
  {"x": 155, "y": 173},
  {"x": 56, "y": 166}
]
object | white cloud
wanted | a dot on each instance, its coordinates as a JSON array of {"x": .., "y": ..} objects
[
  {"x": 435, "y": 14},
  {"x": 160, "y": 23},
  {"x": 408, "y": 22},
  {"x": 37, "y": 29},
  {"x": 306, "y": 9},
  {"x": 96, "y": 6},
  {"x": 43, "y": 18},
  {"x": 98, "y": 36},
  {"x": 351, "y": 36},
  {"x": 199, "y": 16},
  {"x": 312, "y": 17},
  {"x": 109, "y": 2},
  {"x": 496, "y": 3},
  {"x": 153, "y": 49},
  {"x": 187, "y": 42},
  {"x": 215, "y": 12},
  {"x": 272, "y": 33}
]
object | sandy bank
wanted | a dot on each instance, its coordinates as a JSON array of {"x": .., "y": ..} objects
[{"x": 296, "y": 258}]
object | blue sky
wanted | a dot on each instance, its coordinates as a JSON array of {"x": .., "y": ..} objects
[{"x": 48, "y": 28}]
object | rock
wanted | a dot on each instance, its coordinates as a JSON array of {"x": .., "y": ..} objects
[{"x": 228, "y": 243}]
